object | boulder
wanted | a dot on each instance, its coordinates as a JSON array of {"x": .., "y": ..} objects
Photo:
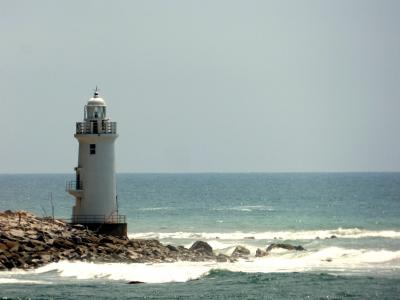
[
  {"x": 63, "y": 243},
  {"x": 9, "y": 264},
  {"x": 285, "y": 246},
  {"x": 202, "y": 248},
  {"x": 222, "y": 258},
  {"x": 12, "y": 246},
  {"x": 76, "y": 239},
  {"x": 17, "y": 233},
  {"x": 172, "y": 248},
  {"x": 261, "y": 253},
  {"x": 45, "y": 257},
  {"x": 240, "y": 251},
  {"x": 135, "y": 282}
]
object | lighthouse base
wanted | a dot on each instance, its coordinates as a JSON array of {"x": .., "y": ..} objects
[{"x": 114, "y": 229}]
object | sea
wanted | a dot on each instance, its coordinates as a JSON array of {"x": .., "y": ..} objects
[{"x": 349, "y": 224}]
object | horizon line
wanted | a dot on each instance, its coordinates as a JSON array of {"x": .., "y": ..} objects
[{"x": 210, "y": 172}]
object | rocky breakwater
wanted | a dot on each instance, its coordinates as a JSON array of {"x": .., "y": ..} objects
[{"x": 27, "y": 241}]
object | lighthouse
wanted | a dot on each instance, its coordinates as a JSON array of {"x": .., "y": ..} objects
[{"x": 94, "y": 187}]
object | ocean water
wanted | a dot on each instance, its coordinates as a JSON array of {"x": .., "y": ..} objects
[{"x": 362, "y": 210}]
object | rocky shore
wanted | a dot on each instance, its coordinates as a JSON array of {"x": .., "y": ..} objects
[{"x": 27, "y": 241}]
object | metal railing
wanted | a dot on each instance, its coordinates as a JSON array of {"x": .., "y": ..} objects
[
  {"x": 96, "y": 127},
  {"x": 102, "y": 219},
  {"x": 74, "y": 185}
]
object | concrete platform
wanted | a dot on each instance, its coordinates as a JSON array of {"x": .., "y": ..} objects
[{"x": 114, "y": 229}]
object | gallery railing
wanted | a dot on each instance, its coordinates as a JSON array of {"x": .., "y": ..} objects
[
  {"x": 74, "y": 185},
  {"x": 96, "y": 127}
]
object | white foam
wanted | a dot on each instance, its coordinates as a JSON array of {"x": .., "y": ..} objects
[
  {"x": 331, "y": 259},
  {"x": 149, "y": 273},
  {"x": 246, "y": 208},
  {"x": 352, "y": 233},
  {"x": 154, "y": 208},
  {"x": 19, "y": 281}
]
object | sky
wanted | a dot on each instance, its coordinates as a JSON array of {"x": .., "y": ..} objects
[{"x": 204, "y": 86}]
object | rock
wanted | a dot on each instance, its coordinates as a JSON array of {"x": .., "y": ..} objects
[
  {"x": 172, "y": 248},
  {"x": 45, "y": 257},
  {"x": 9, "y": 264},
  {"x": 27, "y": 241},
  {"x": 249, "y": 238},
  {"x": 12, "y": 246},
  {"x": 240, "y": 251},
  {"x": 261, "y": 253},
  {"x": 78, "y": 226},
  {"x": 333, "y": 237},
  {"x": 202, "y": 248},
  {"x": 37, "y": 245},
  {"x": 63, "y": 243},
  {"x": 17, "y": 233},
  {"x": 76, "y": 239},
  {"x": 284, "y": 246},
  {"x": 135, "y": 282},
  {"x": 106, "y": 239},
  {"x": 222, "y": 258}
]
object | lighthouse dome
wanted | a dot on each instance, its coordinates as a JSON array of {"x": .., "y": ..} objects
[{"x": 96, "y": 101}]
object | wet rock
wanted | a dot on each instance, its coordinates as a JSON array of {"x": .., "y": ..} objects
[
  {"x": 135, "y": 282},
  {"x": 333, "y": 237},
  {"x": 172, "y": 248},
  {"x": 285, "y": 246},
  {"x": 202, "y": 248},
  {"x": 223, "y": 258},
  {"x": 261, "y": 253},
  {"x": 240, "y": 251}
]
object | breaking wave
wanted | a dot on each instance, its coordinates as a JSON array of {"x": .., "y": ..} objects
[
  {"x": 20, "y": 281},
  {"x": 352, "y": 233},
  {"x": 330, "y": 259},
  {"x": 154, "y": 208},
  {"x": 246, "y": 208}
]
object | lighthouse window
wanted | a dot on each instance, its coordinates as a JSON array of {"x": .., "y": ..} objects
[{"x": 92, "y": 149}]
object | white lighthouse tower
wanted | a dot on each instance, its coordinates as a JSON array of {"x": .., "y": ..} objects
[{"x": 96, "y": 204}]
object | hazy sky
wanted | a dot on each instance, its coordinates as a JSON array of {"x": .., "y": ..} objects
[{"x": 198, "y": 86}]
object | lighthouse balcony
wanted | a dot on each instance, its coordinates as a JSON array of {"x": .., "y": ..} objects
[
  {"x": 96, "y": 127},
  {"x": 75, "y": 188}
]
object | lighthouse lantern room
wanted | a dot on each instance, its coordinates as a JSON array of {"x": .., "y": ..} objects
[{"x": 94, "y": 188}]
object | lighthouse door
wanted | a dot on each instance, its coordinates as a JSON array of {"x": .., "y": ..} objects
[
  {"x": 78, "y": 181},
  {"x": 95, "y": 128}
]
